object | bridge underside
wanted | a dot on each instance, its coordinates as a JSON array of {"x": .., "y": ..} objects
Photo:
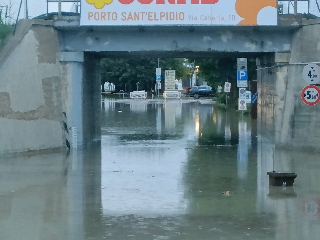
[
  {"x": 57, "y": 84},
  {"x": 185, "y": 41}
]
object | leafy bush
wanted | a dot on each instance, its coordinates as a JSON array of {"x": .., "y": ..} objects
[{"x": 5, "y": 30}]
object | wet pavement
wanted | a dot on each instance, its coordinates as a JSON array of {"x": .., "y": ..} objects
[{"x": 164, "y": 170}]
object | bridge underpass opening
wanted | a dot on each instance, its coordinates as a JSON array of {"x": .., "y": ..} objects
[
  {"x": 271, "y": 70},
  {"x": 131, "y": 72}
]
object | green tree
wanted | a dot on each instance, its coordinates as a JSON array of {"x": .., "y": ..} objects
[
  {"x": 126, "y": 72},
  {"x": 216, "y": 71},
  {"x": 6, "y": 26}
]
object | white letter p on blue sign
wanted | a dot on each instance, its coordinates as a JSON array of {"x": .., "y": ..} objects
[{"x": 242, "y": 75}]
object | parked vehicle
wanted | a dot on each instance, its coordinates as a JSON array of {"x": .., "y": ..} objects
[{"x": 200, "y": 91}]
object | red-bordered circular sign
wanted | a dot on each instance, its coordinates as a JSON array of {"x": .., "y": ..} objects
[{"x": 310, "y": 95}]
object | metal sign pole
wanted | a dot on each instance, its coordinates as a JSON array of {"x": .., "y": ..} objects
[
  {"x": 157, "y": 82},
  {"x": 226, "y": 99}
]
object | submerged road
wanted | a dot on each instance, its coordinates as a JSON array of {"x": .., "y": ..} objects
[{"x": 180, "y": 170}]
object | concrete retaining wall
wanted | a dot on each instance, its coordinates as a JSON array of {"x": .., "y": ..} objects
[
  {"x": 280, "y": 79},
  {"x": 31, "y": 105}
]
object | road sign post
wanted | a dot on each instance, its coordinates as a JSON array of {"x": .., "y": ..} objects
[{"x": 158, "y": 78}]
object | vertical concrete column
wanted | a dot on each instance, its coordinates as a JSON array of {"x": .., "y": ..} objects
[
  {"x": 272, "y": 74},
  {"x": 265, "y": 88},
  {"x": 91, "y": 101},
  {"x": 72, "y": 81}
]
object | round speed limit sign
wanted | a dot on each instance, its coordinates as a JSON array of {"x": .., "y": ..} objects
[{"x": 310, "y": 95}]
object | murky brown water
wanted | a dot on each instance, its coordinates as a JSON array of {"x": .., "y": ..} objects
[{"x": 164, "y": 170}]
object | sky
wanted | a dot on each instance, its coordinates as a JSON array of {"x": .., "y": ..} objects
[{"x": 35, "y": 7}]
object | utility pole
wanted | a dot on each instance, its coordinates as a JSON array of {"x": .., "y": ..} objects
[
  {"x": 26, "y": 8},
  {"x": 227, "y": 96},
  {"x": 59, "y": 10}
]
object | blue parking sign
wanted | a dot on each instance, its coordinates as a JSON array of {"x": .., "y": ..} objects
[{"x": 242, "y": 75}]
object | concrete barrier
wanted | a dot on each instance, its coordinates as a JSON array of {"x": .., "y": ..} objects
[
  {"x": 138, "y": 95},
  {"x": 172, "y": 94}
]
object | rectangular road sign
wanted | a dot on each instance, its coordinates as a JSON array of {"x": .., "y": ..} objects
[
  {"x": 158, "y": 77},
  {"x": 242, "y": 105},
  {"x": 242, "y": 64},
  {"x": 242, "y": 78},
  {"x": 248, "y": 96},
  {"x": 227, "y": 87},
  {"x": 170, "y": 77},
  {"x": 242, "y": 84},
  {"x": 242, "y": 93},
  {"x": 158, "y": 71},
  {"x": 242, "y": 75},
  {"x": 254, "y": 97}
]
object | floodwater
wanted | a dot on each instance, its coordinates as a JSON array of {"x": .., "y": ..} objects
[{"x": 164, "y": 170}]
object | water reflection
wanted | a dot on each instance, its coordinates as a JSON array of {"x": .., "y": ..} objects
[
  {"x": 242, "y": 156},
  {"x": 179, "y": 170},
  {"x": 36, "y": 199},
  {"x": 139, "y": 106}
]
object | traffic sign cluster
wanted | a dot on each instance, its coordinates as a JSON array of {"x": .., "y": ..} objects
[
  {"x": 242, "y": 82},
  {"x": 310, "y": 95}
]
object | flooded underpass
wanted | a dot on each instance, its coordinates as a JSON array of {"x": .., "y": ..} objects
[{"x": 164, "y": 170}]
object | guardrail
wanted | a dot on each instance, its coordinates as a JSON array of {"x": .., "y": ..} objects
[
  {"x": 172, "y": 94},
  {"x": 138, "y": 95}
]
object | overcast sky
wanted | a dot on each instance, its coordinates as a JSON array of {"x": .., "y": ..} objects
[{"x": 35, "y": 7}]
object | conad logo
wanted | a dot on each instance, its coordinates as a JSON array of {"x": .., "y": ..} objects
[{"x": 99, "y": 4}]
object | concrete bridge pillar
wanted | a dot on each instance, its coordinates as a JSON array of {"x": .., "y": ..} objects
[
  {"x": 280, "y": 108},
  {"x": 91, "y": 101},
  {"x": 81, "y": 91},
  {"x": 272, "y": 77},
  {"x": 72, "y": 83}
]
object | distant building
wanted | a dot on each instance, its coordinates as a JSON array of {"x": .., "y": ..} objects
[{"x": 109, "y": 87}]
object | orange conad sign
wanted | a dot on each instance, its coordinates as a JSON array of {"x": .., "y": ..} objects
[{"x": 178, "y": 12}]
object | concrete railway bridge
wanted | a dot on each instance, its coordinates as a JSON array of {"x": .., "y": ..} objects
[{"x": 50, "y": 76}]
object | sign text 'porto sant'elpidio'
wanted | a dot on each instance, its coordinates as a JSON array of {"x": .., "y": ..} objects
[{"x": 178, "y": 12}]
